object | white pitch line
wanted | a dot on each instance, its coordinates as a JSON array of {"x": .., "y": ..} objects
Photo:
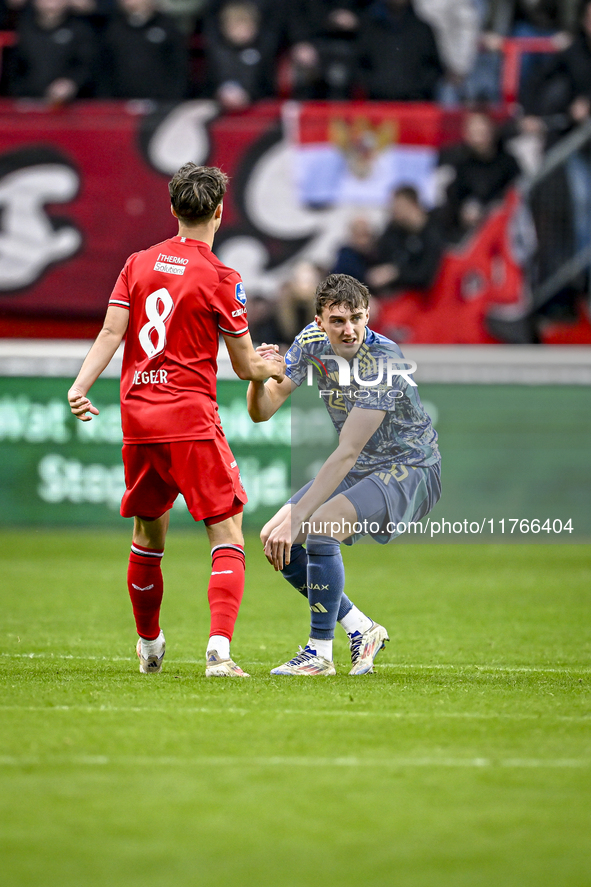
[
  {"x": 290, "y": 761},
  {"x": 558, "y": 669},
  {"x": 293, "y": 712},
  {"x": 561, "y": 669},
  {"x": 69, "y": 656}
]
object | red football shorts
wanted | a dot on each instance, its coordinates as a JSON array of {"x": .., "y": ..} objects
[{"x": 204, "y": 471}]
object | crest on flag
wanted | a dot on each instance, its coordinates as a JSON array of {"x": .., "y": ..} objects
[
  {"x": 357, "y": 157},
  {"x": 361, "y": 142}
]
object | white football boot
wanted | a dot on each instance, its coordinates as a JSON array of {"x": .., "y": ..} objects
[
  {"x": 216, "y": 667},
  {"x": 306, "y": 662},
  {"x": 365, "y": 647}
]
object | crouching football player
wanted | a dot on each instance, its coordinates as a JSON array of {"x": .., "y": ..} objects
[
  {"x": 385, "y": 469},
  {"x": 172, "y": 301}
]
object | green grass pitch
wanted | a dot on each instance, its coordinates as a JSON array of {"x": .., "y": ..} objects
[{"x": 464, "y": 760}]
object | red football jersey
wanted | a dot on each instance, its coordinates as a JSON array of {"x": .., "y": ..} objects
[{"x": 180, "y": 298}]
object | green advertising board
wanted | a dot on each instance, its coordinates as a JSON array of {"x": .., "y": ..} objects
[
  {"x": 56, "y": 470},
  {"x": 509, "y": 452}
]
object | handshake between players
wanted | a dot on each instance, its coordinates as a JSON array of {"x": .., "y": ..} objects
[{"x": 172, "y": 302}]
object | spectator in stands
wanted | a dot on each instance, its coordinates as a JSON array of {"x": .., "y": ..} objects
[
  {"x": 55, "y": 53},
  {"x": 144, "y": 54},
  {"x": 479, "y": 171},
  {"x": 531, "y": 18},
  {"x": 9, "y": 11},
  {"x": 398, "y": 53},
  {"x": 408, "y": 254},
  {"x": 357, "y": 254},
  {"x": 296, "y": 299},
  {"x": 483, "y": 82},
  {"x": 272, "y": 13},
  {"x": 188, "y": 14},
  {"x": 563, "y": 87},
  {"x": 240, "y": 60},
  {"x": 262, "y": 321},
  {"x": 457, "y": 31},
  {"x": 323, "y": 37}
]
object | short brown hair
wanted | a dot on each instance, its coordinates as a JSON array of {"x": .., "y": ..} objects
[
  {"x": 341, "y": 289},
  {"x": 196, "y": 192},
  {"x": 408, "y": 192}
]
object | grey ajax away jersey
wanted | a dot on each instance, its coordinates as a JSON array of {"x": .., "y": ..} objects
[{"x": 378, "y": 378}]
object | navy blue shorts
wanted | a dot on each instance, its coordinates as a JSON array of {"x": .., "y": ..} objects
[{"x": 385, "y": 499}]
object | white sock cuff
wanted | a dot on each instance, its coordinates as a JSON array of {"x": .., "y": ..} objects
[
  {"x": 151, "y": 648},
  {"x": 239, "y": 548},
  {"x": 220, "y": 644},
  {"x": 355, "y": 620},
  {"x": 323, "y": 647}
]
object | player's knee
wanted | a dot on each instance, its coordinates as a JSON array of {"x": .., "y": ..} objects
[
  {"x": 150, "y": 532},
  {"x": 225, "y": 533}
]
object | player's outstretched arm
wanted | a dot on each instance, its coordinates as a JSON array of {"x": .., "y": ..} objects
[
  {"x": 251, "y": 366},
  {"x": 98, "y": 358},
  {"x": 357, "y": 430}
]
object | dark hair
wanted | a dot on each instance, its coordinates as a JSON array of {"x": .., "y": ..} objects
[
  {"x": 196, "y": 192},
  {"x": 409, "y": 192},
  {"x": 243, "y": 6},
  {"x": 341, "y": 289}
]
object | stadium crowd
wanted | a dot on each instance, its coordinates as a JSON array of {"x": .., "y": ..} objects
[
  {"x": 242, "y": 51},
  {"x": 402, "y": 50}
]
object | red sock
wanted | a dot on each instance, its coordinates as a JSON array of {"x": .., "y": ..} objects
[
  {"x": 144, "y": 581},
  {"x": 226, "y": 587}
]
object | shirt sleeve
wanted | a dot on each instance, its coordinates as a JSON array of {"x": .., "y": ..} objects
[
  {"x": 296, "y": 364},
  {"x": 229, "y": 302},
  {"x": 120, "y": 294}
]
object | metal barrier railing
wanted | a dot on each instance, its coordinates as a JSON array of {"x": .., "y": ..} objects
[
  {"x": 513, "y": 49},
  {"x": 559, "y": 197}
]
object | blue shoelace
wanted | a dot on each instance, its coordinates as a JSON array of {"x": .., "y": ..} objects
[
  {"x": 356, "y": 641},
  {"x": 303, "y": 656}
]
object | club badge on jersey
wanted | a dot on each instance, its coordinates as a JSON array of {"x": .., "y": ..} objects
[{"x": 240, "y": 294}]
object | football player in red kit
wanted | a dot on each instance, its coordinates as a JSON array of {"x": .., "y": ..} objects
[{"x": 172, "y": 301}]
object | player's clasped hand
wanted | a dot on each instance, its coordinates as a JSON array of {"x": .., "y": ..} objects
[
  {"x": 80, "y": 405},
  {"x": 280, "y": 368},
  {"x": 278, "y": 546},
  {"x": 277, "y": 537},
  {"x": 267, "y": 351},
  {"x": 271, "y": 352}
]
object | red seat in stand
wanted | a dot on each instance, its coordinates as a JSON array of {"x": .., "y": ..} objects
[{"x": 474, "y": 278}]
